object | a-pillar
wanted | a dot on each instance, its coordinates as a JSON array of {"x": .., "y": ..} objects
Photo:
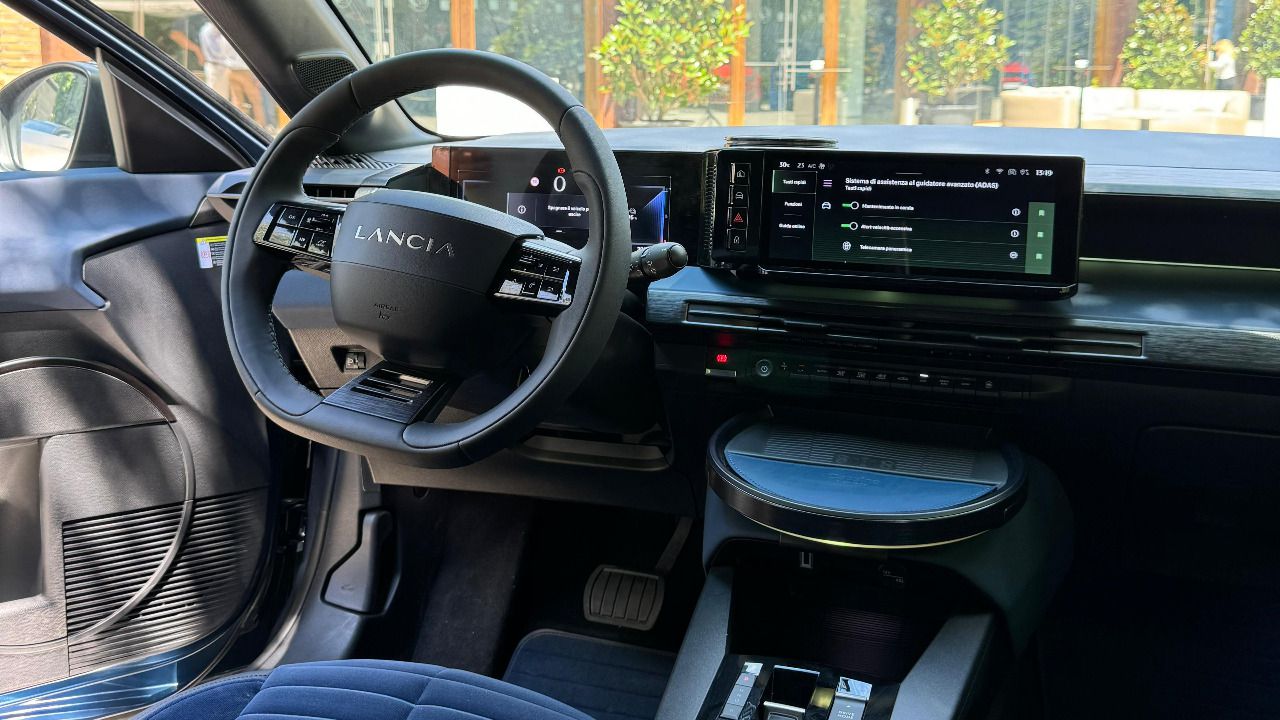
[
  {"x": 462, "y": 24},
  {"x": 597, "y": 17}
]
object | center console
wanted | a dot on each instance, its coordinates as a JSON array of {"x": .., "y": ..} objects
[{"x": 865, "y": 568}]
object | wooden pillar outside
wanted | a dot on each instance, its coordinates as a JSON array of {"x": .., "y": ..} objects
[
  {"x": 54, "y": 49},
  {"x": 828, "y": 109},
  {"x": 1112, "y": 24},
  {"x": 738, "y": 75},
  {"x": 597, "y": 18},
  {"x": 462, "y": 24},
  {"x": 903, "y": 31},
  {"x": 1103, "y": 19}
]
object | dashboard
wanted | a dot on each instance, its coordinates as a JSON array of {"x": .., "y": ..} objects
[
  {"x": 1169, "y": 347},
  {"x": 1176, "y": 268}
]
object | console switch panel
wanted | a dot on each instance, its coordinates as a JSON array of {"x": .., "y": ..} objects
[{"x": 740, "y": 695}]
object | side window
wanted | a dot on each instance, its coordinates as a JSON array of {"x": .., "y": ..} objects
[
  {"x": 52, "y": 110},
  {"x": 181, "y": 30}
]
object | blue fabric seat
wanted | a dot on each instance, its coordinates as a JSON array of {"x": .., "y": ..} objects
[{"x": 359, "y": 690}]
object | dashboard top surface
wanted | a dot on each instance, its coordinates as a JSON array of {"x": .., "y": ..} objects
[{"x": 1116, "y": 161}]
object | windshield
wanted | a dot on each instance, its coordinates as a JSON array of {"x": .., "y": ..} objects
[{"x": 1160, "y": 65}]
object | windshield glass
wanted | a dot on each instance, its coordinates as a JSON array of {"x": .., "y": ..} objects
[{"x": 1160, "y": 65}]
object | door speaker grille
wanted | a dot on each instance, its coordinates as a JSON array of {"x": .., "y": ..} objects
[{"x": 108, "y": 559}]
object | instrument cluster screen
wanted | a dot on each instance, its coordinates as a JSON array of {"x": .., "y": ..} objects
[{"x": 544, "y": 193}]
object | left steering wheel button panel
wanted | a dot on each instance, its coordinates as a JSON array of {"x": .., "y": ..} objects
[{"x": 300, "y": 229}]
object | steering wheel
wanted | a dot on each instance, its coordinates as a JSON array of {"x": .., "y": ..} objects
[{"x": 439, "y": 287}]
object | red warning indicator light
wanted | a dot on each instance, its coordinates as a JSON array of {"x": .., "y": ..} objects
[
  {"x": 722, "y": 358},
  {"x": 559, "y": 171}
]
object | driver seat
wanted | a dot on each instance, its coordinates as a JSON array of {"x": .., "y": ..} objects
[{"x": 359, "y": 690}]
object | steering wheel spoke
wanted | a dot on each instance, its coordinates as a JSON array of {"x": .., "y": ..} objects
[
  {"x": 539, "y": 277},
  {"x": 304, "y": 230}
]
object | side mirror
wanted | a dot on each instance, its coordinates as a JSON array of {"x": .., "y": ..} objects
[{"x": 54, "y": 119}]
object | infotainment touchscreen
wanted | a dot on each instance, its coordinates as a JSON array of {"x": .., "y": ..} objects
[{"x": 993, "y": 221}]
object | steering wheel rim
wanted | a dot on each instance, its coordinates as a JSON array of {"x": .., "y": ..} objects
[{"x": 577, "y": 336}]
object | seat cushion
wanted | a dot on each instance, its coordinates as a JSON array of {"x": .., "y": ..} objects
[{"x": 360, "y": 690}]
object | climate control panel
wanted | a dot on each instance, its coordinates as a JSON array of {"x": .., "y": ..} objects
[{"x": 786, "y": 371}]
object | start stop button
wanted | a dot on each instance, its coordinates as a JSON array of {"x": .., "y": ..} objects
[{"x": 764, "y": 367}]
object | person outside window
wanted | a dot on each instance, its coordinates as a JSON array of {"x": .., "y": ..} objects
[
  {"x": 1223, "y": 64},
  {"x": 226, "y": 72}
]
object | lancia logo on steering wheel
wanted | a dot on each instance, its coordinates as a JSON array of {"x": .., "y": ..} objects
[{"x": 412, "y": 241}]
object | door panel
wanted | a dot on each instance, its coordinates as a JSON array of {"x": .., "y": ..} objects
[
  {"x": 134, "y": 501},
  {"x": 52, "y": 223}
]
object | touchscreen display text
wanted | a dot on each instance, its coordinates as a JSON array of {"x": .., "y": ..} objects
[{"x": 913, "y": 216}]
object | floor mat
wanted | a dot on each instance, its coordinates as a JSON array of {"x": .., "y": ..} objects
[{"x": 604, "y": 679}]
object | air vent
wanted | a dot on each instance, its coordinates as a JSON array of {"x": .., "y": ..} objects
[
  {"x": 108, "y": 559},
  {"x": 333, "y": 193},
  {"x": 386, "y": 393},
  {"x": 709, "y": 200},
  {"x": 877, "y": 333},
  {"x": 355, "y": 161},
  {"x": 784, "y": 141}
]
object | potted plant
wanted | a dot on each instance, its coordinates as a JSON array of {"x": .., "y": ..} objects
[
  {"x": 536, "y": 35},
  {"x": 1161, "y": 51},
  {"x": 664, "y": 53},
  {"x": 1260, "y": 43},
  {"x": 958, "y": 45}
]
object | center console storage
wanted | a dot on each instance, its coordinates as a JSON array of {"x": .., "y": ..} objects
[{"x": 859, "y": 488}]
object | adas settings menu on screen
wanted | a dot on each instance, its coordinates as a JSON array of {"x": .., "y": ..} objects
[{"x": 920, "y": 212}]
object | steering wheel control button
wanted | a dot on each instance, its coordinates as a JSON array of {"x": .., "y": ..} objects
[
  {"x": 549, "y": 290},
  {"x": 321, "y": 244},
  {"x": 281, "y": 236},
  {"x": 301, "y": 240},
  {"x": 291, "y": 216},
  {"x": 320, "y": 220}
]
